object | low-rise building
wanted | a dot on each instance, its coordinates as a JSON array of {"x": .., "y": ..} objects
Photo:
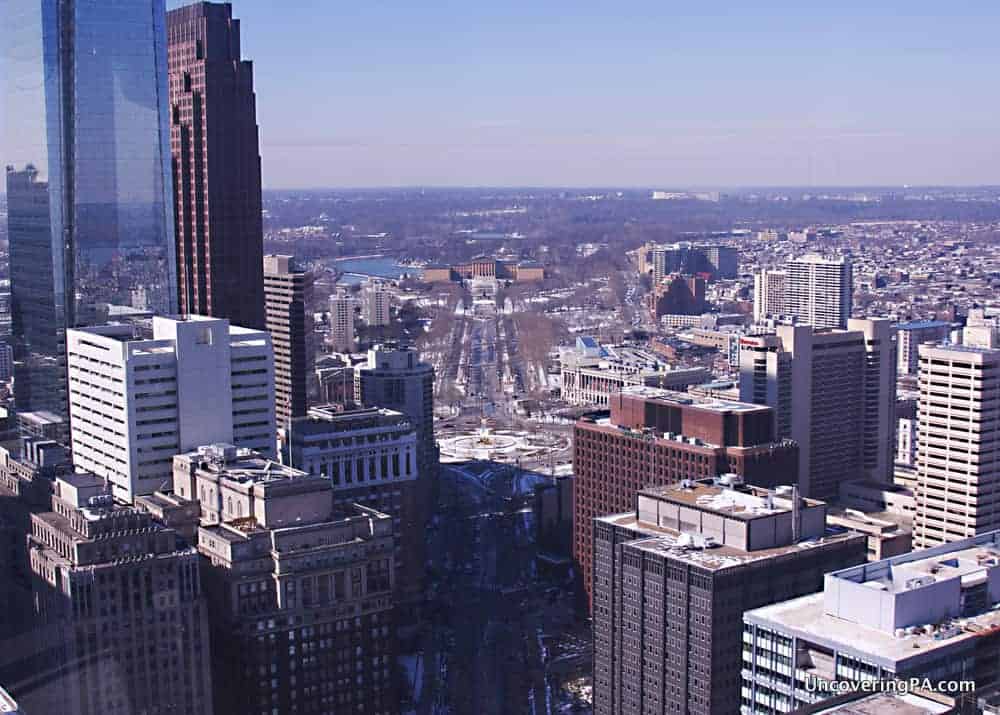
[
  {"x": 486, "y": 268},
  {"x": 926, "y": 614},
  {"x": 894, "y": 499},
  {"x": 886, "y": 536},
  {"x": 591, "y": 373},
  {"x": 43, "y": 425}
]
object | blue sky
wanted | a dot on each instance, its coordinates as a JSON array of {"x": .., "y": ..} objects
[{"x": 381, "y": 93}]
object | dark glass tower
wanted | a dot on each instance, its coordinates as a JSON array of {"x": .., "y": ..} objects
[
  {"x": 216, "y": 165},
  {"x": 90, "y": 213}
]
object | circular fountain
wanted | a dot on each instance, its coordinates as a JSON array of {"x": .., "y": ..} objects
[{"x": 496, "y": 445}]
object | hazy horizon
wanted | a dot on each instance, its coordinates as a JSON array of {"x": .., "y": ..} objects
[{"x": 456, "y": 95}]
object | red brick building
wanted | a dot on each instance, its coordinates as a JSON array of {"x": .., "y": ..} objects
[
  {"x": 656, "y": 437},
  {"x": 678, "y": 295}
]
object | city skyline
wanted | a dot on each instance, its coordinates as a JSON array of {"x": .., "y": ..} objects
[
  {"x": 782, "y": 96},
  {"x": 412, "y": 447}
]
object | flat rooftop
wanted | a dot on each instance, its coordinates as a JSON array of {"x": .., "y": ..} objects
[
  {"x": 336, "y": 415},
  {"x": 919, "y": 324},
  {"x": 243, "y": 465},
  {"x": 746, "y": 503},
  {"x": 237, "y": 530},
  {"x": 718, "y": 384},
  {"x": 968, "y": 561},
  {"x": 668, "y": 542},
  {"x": 943, "y": 349},
  {"x": 260, "y": 470},
  {"x": 889, "y": 704},
  {"x": 806, "y": 618},
  {"x": 673, "y": 397},
  {"x": 968, "y": 564},
  {"x": 82, "y": 480}
]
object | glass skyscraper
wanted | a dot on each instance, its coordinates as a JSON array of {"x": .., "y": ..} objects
[{"x": 89, "y": 180}]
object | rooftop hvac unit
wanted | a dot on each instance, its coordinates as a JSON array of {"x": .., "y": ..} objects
[{"x": 918, "y": 582}]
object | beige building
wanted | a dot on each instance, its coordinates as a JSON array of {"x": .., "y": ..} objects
[
  {"x": 342, "y": 323},
  {"x": 982, "y": 329},
  {"x": 123, "y": 619},
  {"x": 301, "y": 591},
  {"x": 769, "y": 294},
  {"x": 834, "y": 392},
  {"x": 958, "y": 473},
  {"x": 369, "y": 456},
  {"x": 376, "y": 304},
  {"x": 287, "y": 300}
]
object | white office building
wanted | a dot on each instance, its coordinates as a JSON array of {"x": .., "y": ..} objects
[
  {"x": 926, "y": 614},
  {"x": 769, "y": 294},
  {"x": 342, "y": 323},
  {"x": 958, "y": 472},
  {"x": 135, "y": 403},
  {"x": 982, "y": 329},
  {"x": 819, "y": 291},
  {"x": 376, "y": 303}
]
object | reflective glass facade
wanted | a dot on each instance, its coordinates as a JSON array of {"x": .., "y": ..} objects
[{"x": 89, "y": 182}]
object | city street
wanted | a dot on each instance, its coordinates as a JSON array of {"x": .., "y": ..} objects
[{"x": 486, "y": 646}]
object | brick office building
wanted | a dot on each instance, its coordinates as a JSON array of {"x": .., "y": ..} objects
[
  {"x": 655, "y": 437},
  {"x": 673, "y": 576}
]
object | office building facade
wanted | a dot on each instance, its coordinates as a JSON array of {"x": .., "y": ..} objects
[
  {"x": 216, "y": 166},
  {"x": 673, "y": 576},
  {"x": 342, "y": 336},
  {"x": 958, "y": 475},
  {"x": 135, "y": 403},
  {"x": 90, "y": 216},
  {"x": 834, "y": 393},
  {"x": 723, "y": 261},
  {"x": 677, "y": 295},
  {"x": 909, "y": 337},
  {"x": 288, "y": 294},
  {"x": 928, "y": 614},
  {"x": 123, "y": 617},
  {"x": 394, "y": 378},
  {"x": 300, "y": 591},
  {"x": 376, "y": 305},
  {"x": 657, "y": 437},
  {"x": 369, "y": 457},
  {"x": 715, "y": 261},
  {"x": 769, "y": 294},
  {"x": 819, "y": 291}
]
